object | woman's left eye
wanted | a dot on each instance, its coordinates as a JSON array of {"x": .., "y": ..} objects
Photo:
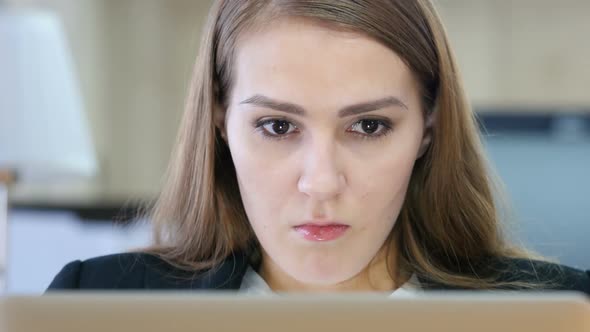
[{"x": 371, "y": 127}]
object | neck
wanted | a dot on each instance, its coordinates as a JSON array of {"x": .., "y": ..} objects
[{"x": 375, "y": 277}]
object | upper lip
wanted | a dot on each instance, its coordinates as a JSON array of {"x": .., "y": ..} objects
[{"x": 321, "y": 223}]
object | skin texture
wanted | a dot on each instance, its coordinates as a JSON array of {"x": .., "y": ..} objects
[{"x": 320, "y": 165}]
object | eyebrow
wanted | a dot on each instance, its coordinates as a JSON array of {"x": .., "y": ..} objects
[{"x": 364, "y": 107}]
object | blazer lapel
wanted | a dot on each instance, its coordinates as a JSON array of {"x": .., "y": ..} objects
[{"x": 228, "y": 275}]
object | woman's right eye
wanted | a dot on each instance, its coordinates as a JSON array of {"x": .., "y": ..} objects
[{"x": 276, "y": 128}]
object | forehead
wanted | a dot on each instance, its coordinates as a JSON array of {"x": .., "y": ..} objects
[{"x": 313, "y": 64}]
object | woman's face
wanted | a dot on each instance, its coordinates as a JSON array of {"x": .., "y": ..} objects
[{"x": 324, "y": 128}]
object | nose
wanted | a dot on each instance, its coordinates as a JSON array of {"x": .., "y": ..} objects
[{"x": 321, "y": 177}]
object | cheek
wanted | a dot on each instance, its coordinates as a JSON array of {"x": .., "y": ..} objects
[
  {"x": 258, "y": 169},
  {"x": 383, "y": 182},
  {"x": 264, "y": 181}
]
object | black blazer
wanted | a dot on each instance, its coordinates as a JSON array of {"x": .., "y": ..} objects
[{"x": 144, "y": 271}]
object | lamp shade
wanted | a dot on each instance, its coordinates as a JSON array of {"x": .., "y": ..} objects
[{"x": 44, "y": 135}]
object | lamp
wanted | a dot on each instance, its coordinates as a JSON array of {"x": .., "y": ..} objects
[{"x": 44, "y": 135}]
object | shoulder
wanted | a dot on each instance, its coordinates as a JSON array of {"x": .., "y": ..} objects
[
  {"x": 522, "y": 274},
  {"x": 113, "y": 271},
  {"x": 144, "y": 271},
  {"x": 546, "y": 275}
]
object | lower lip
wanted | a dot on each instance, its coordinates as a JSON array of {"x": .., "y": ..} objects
[{"x": 321, "y": 233}]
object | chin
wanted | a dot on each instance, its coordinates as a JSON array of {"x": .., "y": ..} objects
[{"x": 322, "y": 274}]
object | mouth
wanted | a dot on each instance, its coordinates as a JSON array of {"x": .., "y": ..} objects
[{"x": 321, "y": 232}]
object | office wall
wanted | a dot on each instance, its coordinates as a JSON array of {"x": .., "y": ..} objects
[{"x": 522, "y": 52}]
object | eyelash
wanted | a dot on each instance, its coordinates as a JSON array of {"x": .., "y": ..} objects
[{"x": 386, "y": 128}]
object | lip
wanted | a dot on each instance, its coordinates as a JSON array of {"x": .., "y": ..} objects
[{"x": 321, "y": 231}]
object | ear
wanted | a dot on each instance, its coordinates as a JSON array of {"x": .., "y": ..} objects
[
  {"x": 427, "y": 138},
  {"x": 219, "y": 114}
]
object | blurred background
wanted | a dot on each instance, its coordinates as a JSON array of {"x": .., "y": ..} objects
[{"x": 92, "y": 91}]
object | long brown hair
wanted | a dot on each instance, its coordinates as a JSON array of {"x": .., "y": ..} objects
[{"x": 449, "y": 224}]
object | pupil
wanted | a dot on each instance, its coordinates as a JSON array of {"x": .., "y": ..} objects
[
  {"x": 370, "y": 126},
  {"x": 280, "y": 127}
]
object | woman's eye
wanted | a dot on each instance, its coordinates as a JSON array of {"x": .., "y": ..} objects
[
  {"x": 280, "y": 128},
  {"x": 371, "y": 127},
  {"x": 277, "y": 127}
]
